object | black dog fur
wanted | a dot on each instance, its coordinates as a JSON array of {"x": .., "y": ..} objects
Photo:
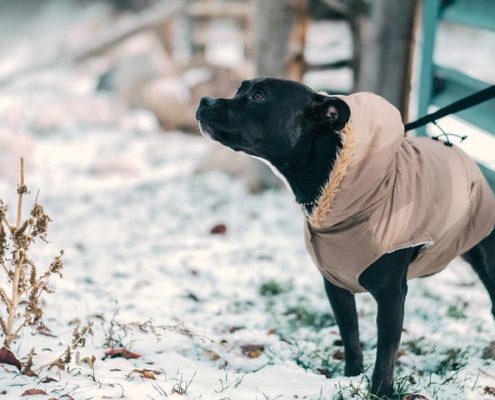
[{"x": 293, "y": 128}]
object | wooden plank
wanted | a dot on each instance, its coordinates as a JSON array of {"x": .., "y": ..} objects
[
  {"x": 220, "y": 9},
  {"x": 151, "y": 18},
  {"x": 479, "y": 14},
  {"x": 452, "y": 85},
  {"x": 431, "y": 9}
]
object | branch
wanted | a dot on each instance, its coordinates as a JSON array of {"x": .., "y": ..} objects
[
  {"x": 5, "y": 298},
  {"x": 10, "y": 336},
  {"x": 20, "y": 191}
]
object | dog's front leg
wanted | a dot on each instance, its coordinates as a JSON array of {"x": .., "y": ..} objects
[
  {"x": 389, "y": 323},
  {"x": 386, "y": 280},
  {"x": 344, "y": 310}
]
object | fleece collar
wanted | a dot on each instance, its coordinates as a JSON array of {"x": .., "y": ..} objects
[{"x": 364, "y": 170}]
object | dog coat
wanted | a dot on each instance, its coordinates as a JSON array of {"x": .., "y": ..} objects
[{"x": 388, "y": 191}]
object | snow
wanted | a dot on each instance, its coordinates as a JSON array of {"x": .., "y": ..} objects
[{"x": 134, "y": 219}]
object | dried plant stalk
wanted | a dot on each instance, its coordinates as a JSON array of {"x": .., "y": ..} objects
[{"x": 22, "y": 273}]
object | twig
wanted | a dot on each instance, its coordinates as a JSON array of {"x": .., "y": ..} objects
[
  {"x": 19, "y": 260},
  {"x": 5, "y": 298},
  {"x": 20, "y": 191}
]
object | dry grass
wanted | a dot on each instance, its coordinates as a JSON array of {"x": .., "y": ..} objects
[{"x": 26, "y": 281}]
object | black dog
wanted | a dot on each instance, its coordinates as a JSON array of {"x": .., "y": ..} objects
[{"x": 290, "y": 125}]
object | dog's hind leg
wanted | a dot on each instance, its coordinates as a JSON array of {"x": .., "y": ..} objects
[
  {"x": 344, "y": 310},
  {"x": 482, "y": 259},
  {"x": 386, "y": 280}
]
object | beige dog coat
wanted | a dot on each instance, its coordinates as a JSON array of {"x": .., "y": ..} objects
[{"x": 389, "y": 191}]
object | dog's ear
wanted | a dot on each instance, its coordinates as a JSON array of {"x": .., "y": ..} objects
[{"x": 328, "y": 109}]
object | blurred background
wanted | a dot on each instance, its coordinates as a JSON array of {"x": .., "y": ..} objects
[{"x": 87, "y": 62}]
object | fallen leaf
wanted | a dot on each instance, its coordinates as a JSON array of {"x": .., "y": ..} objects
[
  {"x": 489, "y": 352},
  {"x": 401, "y": 353},
  {"x": 325, "y": 372},
  {"x": 220, "y": 229},
  {"x": 252, "y": 350},
  {"x": 7, "y": 357},
  {"x": 89, "y": 360},
  {"x": 44, "y": 330},
  {"x": 212, "y": 355},
  {"x": 48, "y": 380},
  {"x": 33, "y": 392},
  {"x": 415, "y": 396},
  {"x": 489, "y": 390},
  {"x": 29, "y": 372},
  {"x": 144, "y": 373},
  {"x": 121, "y": 353},
  {"x": 338, "y": 355}
]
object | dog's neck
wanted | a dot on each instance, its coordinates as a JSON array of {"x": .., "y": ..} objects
[{"x": 309, "y": 172}]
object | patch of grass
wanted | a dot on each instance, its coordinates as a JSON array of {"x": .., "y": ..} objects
[
  {"x": 182, "y": 385},
  {"x": 454, "y": 360},
  {"x": 271, "y": 288},
  {"x": 456, "y": 312},
  {"x": 417, "y": 346},
  {"x": 239, "y": 306},
  {"x": 430, "y": 295},
  {"x": 405, "y": 386},
  {"x": 302, "y": 315}
]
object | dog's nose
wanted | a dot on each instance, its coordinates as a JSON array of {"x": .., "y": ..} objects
[{"x": 207, "y": 101}]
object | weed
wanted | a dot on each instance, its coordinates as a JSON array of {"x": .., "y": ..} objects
[
  {"x": 27, "y": 284},
  {"x": 182, "y": 386},
  {"x": 271, "y": 288},
  {"x": 302, "y": 315},
  {"x": 416, "y": 346},
  {"x": 456, "y": 312},
  {"x": 454, "y": 360}
]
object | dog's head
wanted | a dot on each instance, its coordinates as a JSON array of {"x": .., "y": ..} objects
[{"x": 274, "y": 119}]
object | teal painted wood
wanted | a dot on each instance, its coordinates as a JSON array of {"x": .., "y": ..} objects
[
  {"x": 452, "y": 85},
  {"x": 441, "y": 86},
  {"x": 479, "y": 14},
  {"x": 431, "y": 9}
]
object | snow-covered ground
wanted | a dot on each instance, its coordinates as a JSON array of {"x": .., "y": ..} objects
[{"x": 237, "y": 315}]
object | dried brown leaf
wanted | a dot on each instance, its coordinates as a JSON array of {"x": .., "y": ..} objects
[
  {"x": 213, "y": 356},
  {"x": 219, "y": 229},
  {"x": 89, "y": 360},
  {"x": 48, "y": 380},
  {"x": 252, "y": 350},
  {"x": 42, "y": 329},
  {"x": 7, "y": 357},
  {"x": 33, "y": 392},
  {"x": 144, "y": 373},
  {"x": 338, "y": 355},
  {"x": 121, "y": 353},
  {"x": 415, "y": 396},
  {"x": 29, "y": 372}
]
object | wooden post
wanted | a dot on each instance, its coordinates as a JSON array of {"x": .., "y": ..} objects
[
  {"x": 386, "y": 33},
  {"x": 280, "y": 36}
]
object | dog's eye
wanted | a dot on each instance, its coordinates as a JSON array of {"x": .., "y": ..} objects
[{"x": 258, "y": 96}]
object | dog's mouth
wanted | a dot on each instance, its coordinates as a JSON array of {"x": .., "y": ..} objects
[
  {"x": 206, "y": 130},
  {"x": 210, "y": 132},
  {"x": 218, "y": 136}
]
